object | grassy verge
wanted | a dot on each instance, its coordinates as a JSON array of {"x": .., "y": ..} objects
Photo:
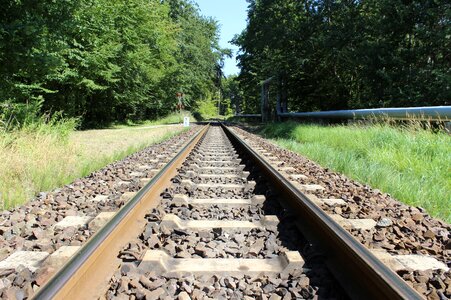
[
  {"x": 34, "y": 160},
  {"x": 174, "y": 118},
  {"x": 411, "y": 164}
]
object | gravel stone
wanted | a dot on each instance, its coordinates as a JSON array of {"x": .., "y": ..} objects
[
  {"x": 384, "y": 222},
  {"x": 183, "y": 296},
  {"x": 156, "y": 293}
]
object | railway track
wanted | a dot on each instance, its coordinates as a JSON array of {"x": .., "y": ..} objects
[
  {"x": 225, "y": 215},
  {"x": 220, "y": 221}
]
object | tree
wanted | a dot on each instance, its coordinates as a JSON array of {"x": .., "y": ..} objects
[
  {"x": 107, "y": 61},
  {"x": 347, "y": 54}
]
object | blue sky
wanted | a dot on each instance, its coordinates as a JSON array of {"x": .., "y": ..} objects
[{"x": 231, "y": 15}]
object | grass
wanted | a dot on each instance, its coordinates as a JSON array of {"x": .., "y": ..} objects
[
  {"x": 47, "y": 157},
  {"x": 410, "y": 163},
  {"x": 173, "y": 118}
]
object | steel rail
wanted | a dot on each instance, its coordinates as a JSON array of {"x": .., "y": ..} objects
[
  {"x": 358, "y": 270},
  {"x": 91, "y": 267}
]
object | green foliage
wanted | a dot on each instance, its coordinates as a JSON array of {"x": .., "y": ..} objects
[
  {"x": 173, "y": 118},
  {"x": 106, "y": 61},
  {"x": 347, "y": 54},
  {"x": 28, "y": 118},
  {"x": 207, "y": 108},
  {"x": 14, "y": 115},
  {"x": 45, "y": 157},
  {"x": 410, "y": 163},
  {"x": 233, "y": 95}
]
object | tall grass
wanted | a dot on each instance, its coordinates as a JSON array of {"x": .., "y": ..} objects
[
  {"x": 30, "y": 158},
  {"x": 410, "y": 163},
  {"x": 47, "y": 153},
  {"x": 93, "y": 158}
]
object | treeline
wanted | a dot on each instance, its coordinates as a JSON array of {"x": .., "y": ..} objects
[
  {"x": 331, "y": 54},
  {"x": 104, "y": 60}
]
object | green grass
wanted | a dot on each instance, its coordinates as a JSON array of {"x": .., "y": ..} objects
[
  {"x": 43, "y": 156},
  {"x": 118, "y": 144},
  {"x": 173, "y": 118},
  {"x": 411, "y": 164}
]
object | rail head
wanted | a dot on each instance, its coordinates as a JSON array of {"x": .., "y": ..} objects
[{"x": 375, "y": 278}]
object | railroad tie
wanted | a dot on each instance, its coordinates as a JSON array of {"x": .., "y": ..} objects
[
  {"x": 160, "y": 262},
  {"x": 171, "y": 221},
  {"x": 226, "y": 186},
  {"x": 220, "y": 176},
  {"x": 203, "y": 162},
  {"x": 240, "y": 175},
  {"x": 180, "y": 199},
  {"x": 214, "y": 156},
  {"x": 237, "y": 168}
]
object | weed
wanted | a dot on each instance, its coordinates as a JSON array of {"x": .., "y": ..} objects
[{"x": 411, "y": 163}]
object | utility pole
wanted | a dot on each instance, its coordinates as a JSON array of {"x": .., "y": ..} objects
[{"x": 266, "y": 110}]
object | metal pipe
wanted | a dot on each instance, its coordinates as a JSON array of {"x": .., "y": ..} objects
[
  {"x": 436, "y": 113},
  {"x": 249, "y": 116},
  {"x": 432, "y": 113}
]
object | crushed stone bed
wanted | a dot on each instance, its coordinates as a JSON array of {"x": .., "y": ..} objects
[{"x": 400, "y": 229}]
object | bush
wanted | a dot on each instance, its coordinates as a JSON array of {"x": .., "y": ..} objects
[
  {"x": 15, "y": 115},
  {"x": 206, "y": 109}
]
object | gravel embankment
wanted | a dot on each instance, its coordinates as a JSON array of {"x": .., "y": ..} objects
[
  {"x": 314, "y": 280},
  {"x": 400, "y": 229}
]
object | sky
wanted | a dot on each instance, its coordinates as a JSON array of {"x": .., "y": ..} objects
[{"x": 231, "y": 15}]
